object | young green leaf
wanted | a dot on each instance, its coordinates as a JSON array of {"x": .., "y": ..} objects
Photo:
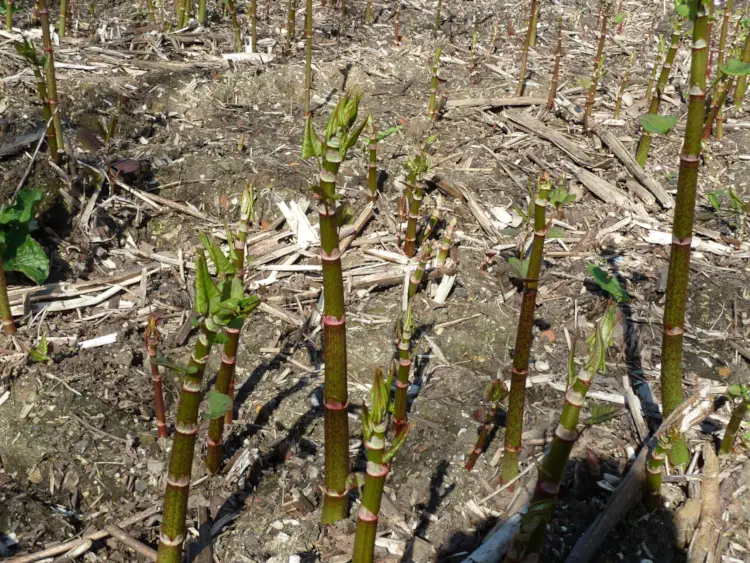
[
  {"x": 220, "y": 339},
  {"x": 556, "y": 232},
  {"x": 620, "y": 17},
  {"x": 398, "y": 441},
  {"x": 714, "y": 199},
  {"x": 164, "y": 362},
  {"x": 218, "y": 404},
  {"x": 519, "y": 268},
  {"x": 658, "y": 124},
  {"x": 21, "y": 253},
  {"x": 388, "y": 132},
  {"x": 39, "y": 353},
  {"x": 735, "y": 67},
  {"x": 608, "y": 283},
  {"x": 311, "y": 145},
  {"x": 220, "y": 260},
  {"x": 602, "y": 413},
  {"x": 22, "y": 209}
]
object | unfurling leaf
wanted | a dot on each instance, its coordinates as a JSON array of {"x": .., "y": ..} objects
[
  {"x": 519, "y": 268},
  {"x": 608, "y": 283},
  {"x": 202, "y": 285},
  {"x": 39, "y": 353},
  {"x": 535, "y": 516},
  {"x": 398, "y": 441},
  {"x": 220, "y": 260},
  {"x": 388, "y": 132},
  {"x": 602, "y": 413},
  {"x": 311, "y": 145},
  {"x": 496, "y": 391},
  {"x": 735, "y": 67},
  {"x": 620, "y": 17},
  {"x": 714, "y": 199},
  {"x": 600, "y": 340},
  {"x": 218, "y": 404},
  {"x": 164, "y": 362},
  {"x": 378, "y": 399},
  {"x": 572, "y": 364},
  {"x": 658, "y": 124}
]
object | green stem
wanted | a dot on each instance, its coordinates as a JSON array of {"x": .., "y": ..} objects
[
  {"x": 415, "y": 203},
  {"x": 51, "y": 80},
  {"x": 308, "y": 53},
  {"x": 682, "y": 233},
  {"x": 432, "y": 222},
  {"x": 181, "y": 9},
  {"x": 151, "y": 341},
  {"x": 63, "y": 21},
  {"x": 404, "y": 368},
  {"x": 482, "y": 438},
  {"x": 201, "y": 12},
  {"x": 623, "y": 85},
  {"x": 556, "y": 70},
  {"x": 741, "y": 87},
  {"x": 9, "y": 327},
  {"x": 525, "y": 55},
  {"x": 598, "y": 62},
  {"x": 522, "y": 348},
  {"x": 724, "y": 31},
  {"x": 738, "y": 415},
  {"x": 151, "y": 11},
  {"x": 235, "y": 25},
  {"x": 720, "y": 96},
  {"x": 396, "y": 22},
  {"x": 416, "y": 276},
  {"x": 445, "y": 244},
  {"x": 183, "y": 448},
  {"x": 368, "y": 13},
  {"x": 644, "y": 144},
  {"x": 334, "y": 344},
  {"x": 42, "y": 89},
  {"x": 654, "y": 467},
  {"x": 437, "y": 14},
  {"x": 432, "y": 106},
  {"x": 534, "y": 23},
  {"x": 372, "y": 164},
  {"x": 9, "y": 16},
  {"x": 290, "y": 23}
]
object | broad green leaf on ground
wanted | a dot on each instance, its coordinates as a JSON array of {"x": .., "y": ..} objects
[
  {"x": 22, "y": 210},
  {"x": 608, "y": 283},
  {"x": 21, "y": 253},
  {"x": 658, "y": 124},
  {"x": 735, "y": 67},
  {"x": 218, "y": 404}
]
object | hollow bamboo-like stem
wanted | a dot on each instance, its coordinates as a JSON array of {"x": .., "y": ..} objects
[
  {"x": 720, "y": 96},
  {"x": 738, "y": 415},
  {"x": 682, "y": 233},
  {"x": 415, "y": 204},
  {"x": 710, "y": 15},
  {"x": 182, "y": 9},
  {"x": 482, "y": 438},
  {"x": 404, "y": 369},
  {"x": 598, "y": 62},
  {"x": 644, "y": 144},
  {"x": 290, "y": 23},
  {"x": 368, "y": 13},
  {"x": 254, "y": 26},
  {"x": 151, "y": 341},
  {"x": 201, "y": 12},
  {"x": 437, "y": 14},
  {"x": 9, "y": 327},
  {"x": 396, "y": 22},
  {"x": 415, "y": 279},
  {"x": 183, "y": 448},
  {"x": 62, "y": 23},
  {"x": 432, "y": 106},
  {"x": 235, "y": 25},
  {"x": 523, "y": 547},
  {"x": 51, "y": 79},
  {"x": 623, "y": 85},
  {"x": 372, "y": 163},
  {"x": 720, "y": 61},
  {"x": 334, "y": 344},
  {"x": 534, "y": 23},
  {"x": 308, "y": 53},
  {"x": 741, "y": 86},
  {"x": 522, "y": 348},
  {"x": 652, "y": 77},
  {"x": 654, "y": 467},
  {"x": 367, "y": 515},
  {"x": 445, "y": 244},
  {"x": 42, "y": 89},
  {"x": 525, "y": 54},
  {"x": 9, "y": 16},
  {"x": 150, "y": 10},
  {"x": 556, "y": 70}
]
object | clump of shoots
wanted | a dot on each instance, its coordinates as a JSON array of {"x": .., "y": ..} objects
[
  {"x": 496, "y": 391},
  {"x": 308, "y": 53},
  {"x": 682, "y": 231},
  {"x": 416, "y": 168},
  {"x": 232, "y": 8},
  {"x": 290, "y": 23},
  {"x": 404, "y": 332},
  {"x": 623, "y": 85},
  {"x": 656, "y": 459},
  {"x": 525, "y": 55},
  {"x": 339, "y": 136},
  {"x": 445, "y": 244},
  {"x": 374, "y": 427},
  {"x": 644, "y": 144},
  {"x": 598, "y": 69},
  {"x": 556, "y": 70},
  {"x": 218, "y": 307},
  {"x": 741, "y": 87},
  {"x": 49, "y": 60},
  {"x": 19, "y": 252},
  {"x": 151, "y": 341},
  {"x": 432, "y": 106},
  {"x": 415, "y": 280},
  {"x": 739, "y": 395},
  {"x": 28, "y": 52},
  {"x": 528, "y": 274},
  {"x": 528, "y": 540},
  {"x": 734, "y": 69}
]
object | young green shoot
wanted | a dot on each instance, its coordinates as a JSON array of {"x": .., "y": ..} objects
[
  {"x": 49, "y": 59},
  {"x": 432, "y": 106},
  {"x": 404, "y": 332},
  {"x": 415, "y": 280},
  {"x": 623, "y": 85},
  {"x": 739, "y": 396},
  {"x": 445, "y": 244},
  {"x": 531, "y": 30},
  {"x": 151, "y": 342},
  {"x": 496, "y": 391},
  {"x": 556, "y": 69},
  {"x": 308, "y": 54},
  {"x": 416, "y": 168},
  {"x": 599, "y": 71},
  {"x": 654, "y": 467}
]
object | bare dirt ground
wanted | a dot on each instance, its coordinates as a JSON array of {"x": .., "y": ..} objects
[{"x": 78, "y": 446}]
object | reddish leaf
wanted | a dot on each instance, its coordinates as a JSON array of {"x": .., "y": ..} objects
[{"x": 89, "y": 140}]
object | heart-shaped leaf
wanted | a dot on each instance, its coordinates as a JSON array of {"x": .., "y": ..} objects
[
  {"x": 218, "y": 404},
  {"x": 608, "y": 283},
  {"x": 658, "y": 124}
]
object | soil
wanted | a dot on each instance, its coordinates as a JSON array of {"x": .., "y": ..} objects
[{"x": 78, "y": 445}]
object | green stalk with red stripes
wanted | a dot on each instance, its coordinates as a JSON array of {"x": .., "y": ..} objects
[
  {"x": 682, "y": 233},
  {"x": 374, "y": 426},
  {"x": 49, "y": 66},
  {"x": 416, "y": 167},
  {"x": 415, "y": 280},
  {"x": 654, "y": 468},
  {"x": 740, "y": 396},
  {"x": 340, "y": 135},
  {"x": 151, "y": 342},
  {"x": 218, "y": 307},
  {"x": 405, "y": 330},
  {"x": 644, "y": 144},
  {"x": 522, "y": 348},
  {"x": 528, "y": 540}
]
